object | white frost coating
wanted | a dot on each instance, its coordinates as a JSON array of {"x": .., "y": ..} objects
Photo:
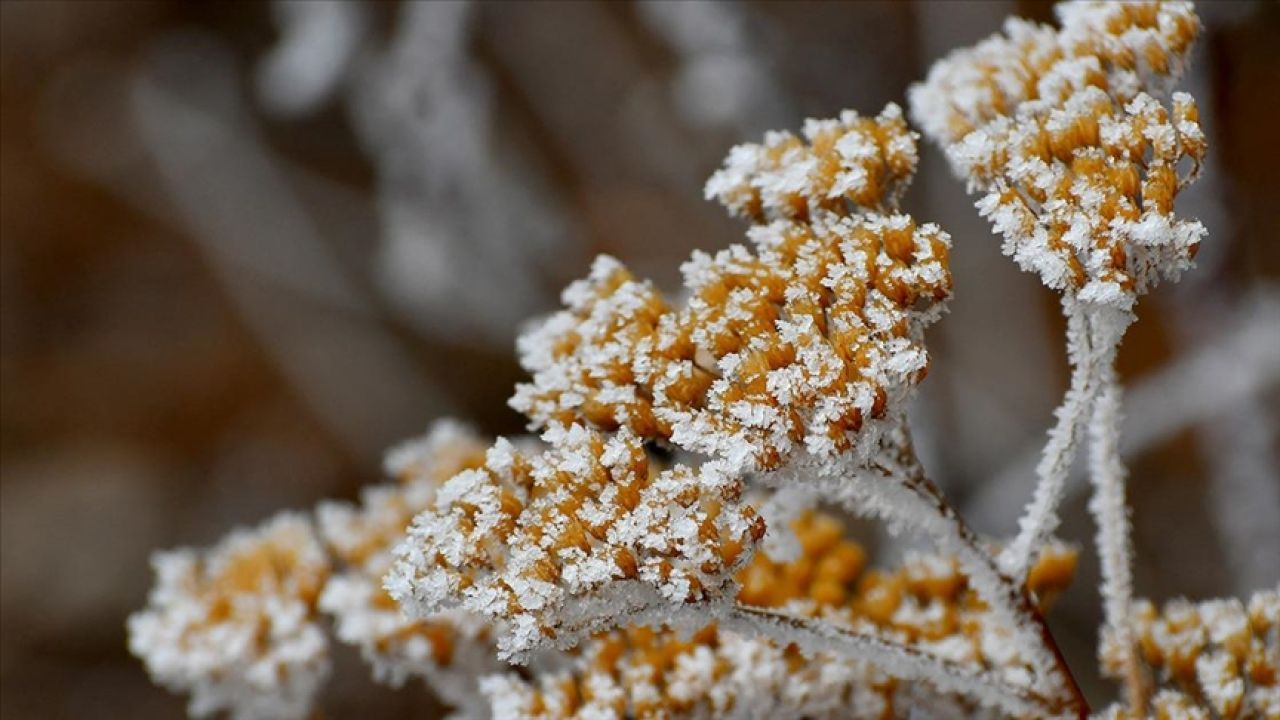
[
  {"x": 449, "y": 651},
  {"x": 1088, "y": 360},
  {"x": 1110, "y": 511},
  {"x": 235, "y": 626},
  {"x": 1080, "y": 164}
]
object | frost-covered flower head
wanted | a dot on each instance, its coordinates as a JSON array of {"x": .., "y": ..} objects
[
  {"x": 789, "y": 351},
  {"x": 1078, "y": 158},
  {"x": 844, "y": 165},
  {"x": 1217, "y": 658},
  {"x": 236, "y": 626},
  {"x": 447, "y": 650},
  {"x": 583, "y": 535},
  {"x": 642, "y": 672}
]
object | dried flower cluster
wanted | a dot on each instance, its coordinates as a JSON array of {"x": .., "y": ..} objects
[
  {"x": 1079, "y": 162},
  {"x": 237, "y": 626},
  {"x": 446, "y": 650},
  {"x": 243, "y": 626},
  {"x": 795, "y": 349},
  {"x": 643, "y": 673},
  {"x": 1213, "y": 659},
  {"x": 632, "y": 586},
  {"x": 553, "y": 545}
]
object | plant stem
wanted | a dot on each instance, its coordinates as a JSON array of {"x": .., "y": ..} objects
[
  {"x": 1041, "y": 516},
  {"x": 993, "y": 586}
]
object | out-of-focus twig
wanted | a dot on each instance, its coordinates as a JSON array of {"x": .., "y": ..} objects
[
  {"x": 319, "y": 42},
  {"x": 291, "y": 291}
]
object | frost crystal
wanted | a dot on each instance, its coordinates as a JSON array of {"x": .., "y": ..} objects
[
  {"x": 1214, "y": 659},
  {"x": 236, "y": 626},
  {"x": 1079, "y": 163}
]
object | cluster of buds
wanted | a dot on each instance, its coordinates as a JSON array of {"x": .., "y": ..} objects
[
  {"x": 243, "y": 626},
  {"x": 1213, "y": 659},
  {"x": 793, "y": 350},
  {"x": 446, "y": 650},
  {"x": 1078, "y": 159},
  {"x": 237, "y": 626},
  {"x": 851, "y": 163},
  {"x": 639, "y": 672},
  {"x": 553, "y": 545}
]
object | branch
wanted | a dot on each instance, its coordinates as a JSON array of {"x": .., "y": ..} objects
[{"x": 905, "y": 497}]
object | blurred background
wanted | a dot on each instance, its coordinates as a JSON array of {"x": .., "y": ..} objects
[{"x": 244, "y": 247}]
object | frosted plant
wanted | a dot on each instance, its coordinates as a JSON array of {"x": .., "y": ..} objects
[
  {"x": 797, "y": 352},
  {"x": 243, "y": 627},
  {"x": 449, "y": 650},
  {"x": 551, "y": 546},
  {"x": 1079, "y": 163},
  {"x": 1214, "y": 659},
  {"x": 635, "y": 587},
  {"x": 638, "y": 672},
  {"x": 237, "y": 626},
  {"x": 794, "y": 361}
]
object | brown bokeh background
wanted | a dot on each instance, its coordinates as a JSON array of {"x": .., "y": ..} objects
[{"x": 145, "y": 405}]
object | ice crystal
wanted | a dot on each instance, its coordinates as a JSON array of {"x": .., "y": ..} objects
[
  {"x": 1213, "y": 659},
  {"x": 1078, "y": 160}
]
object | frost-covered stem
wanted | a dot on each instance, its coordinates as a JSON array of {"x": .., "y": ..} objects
[
  {"x": 1005, "y": 597},
  {"x": 1111, "y": 513},
  {"x": 818, "y": 636},
  {"x": 1040, "y": 519}
]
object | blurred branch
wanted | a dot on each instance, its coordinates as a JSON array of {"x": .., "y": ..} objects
[
  {"x": 319, "y": 41},
  {"x": 242, "y": 212}
]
